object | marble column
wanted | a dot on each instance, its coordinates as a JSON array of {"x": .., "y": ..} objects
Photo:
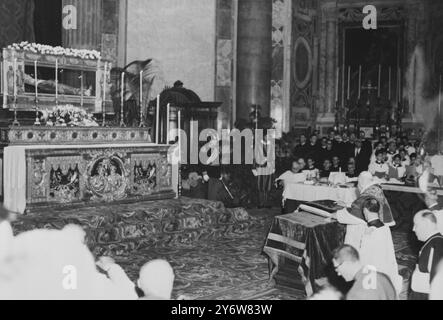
[
  {"x": 254, "y": 56},
  {"x": 88, "y": 32}
]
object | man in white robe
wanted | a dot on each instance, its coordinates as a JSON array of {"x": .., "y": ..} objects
[
  {"x": 377, "y": 247},
  {"x": 291, "y": 176}
]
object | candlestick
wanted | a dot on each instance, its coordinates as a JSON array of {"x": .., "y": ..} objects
[
  {"x": 142, "y": 122},
  {"x": 157, "y": 120},
  {"x": 15, "y": 78},
  {"x": 349, "y": 81},
  {"x": 336, "y": 84},
  {"x": 105, "y": 81},
  {"x": 359, "y": 82},
  {"x": 168, "y": 111},
  {"x": 56, "y": 82},
  {"x": 36, "y": 79},
  {"x": 398, "y": 85},
  {"x": 379, "y": 80},
  {"x": 389, "y": 85},
  {"x": 256, "y": 118},
  {"x": 343, "y": 85},
  {"x": 15, "y": 122},
  {"x": 179, "y": 136},
  {"x": 37, "y": 119},
  {"x": 82, "y": 86},
  {"x": 122, "y": 102}
]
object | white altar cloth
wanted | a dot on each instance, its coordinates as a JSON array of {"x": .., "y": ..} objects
[
  {"x": 303, "y": 192},
  {"x": 14, "y": 170}
]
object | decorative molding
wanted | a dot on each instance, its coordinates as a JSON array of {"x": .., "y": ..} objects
[
  {"x": 354, "y": 14},
  {"x": 302, "y": 43},
  {"x": 72, "y": 135},
  {"x": 65, "y": 177}
]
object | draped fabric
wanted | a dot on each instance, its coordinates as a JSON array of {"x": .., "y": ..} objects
[{"x": 16, "y": 21}]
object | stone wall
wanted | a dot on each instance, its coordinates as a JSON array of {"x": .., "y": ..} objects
[{"x": 180, "y": 34}]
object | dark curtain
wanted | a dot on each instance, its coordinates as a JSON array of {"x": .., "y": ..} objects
[{"x": 16, "y": 21}]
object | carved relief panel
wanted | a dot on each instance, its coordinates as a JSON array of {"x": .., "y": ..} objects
[{"x": 96, "y": 175}]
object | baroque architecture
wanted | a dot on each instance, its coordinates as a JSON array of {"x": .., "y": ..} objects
[{"x": 297, "y": 59}]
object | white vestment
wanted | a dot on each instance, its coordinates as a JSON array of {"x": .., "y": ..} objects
[
  {"x": 374, "y": 245},
  {"x": 6, "y": 238}
]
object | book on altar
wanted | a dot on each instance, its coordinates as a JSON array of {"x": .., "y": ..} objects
[
  {"x": 313, "y": 210},
  {"x": 290, "y": 177}
]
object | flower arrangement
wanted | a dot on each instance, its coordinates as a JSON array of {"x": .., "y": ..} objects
[
  {"x": 56, "y": 51},
  {"x": 68, "y": 116}
]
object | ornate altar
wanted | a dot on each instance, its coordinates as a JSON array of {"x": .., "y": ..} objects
[
  {"x": 68, "y": 158},
  {"x": 57, "y": 77}
]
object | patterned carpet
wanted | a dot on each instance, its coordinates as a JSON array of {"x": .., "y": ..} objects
[{"x": 213, "y": 262}]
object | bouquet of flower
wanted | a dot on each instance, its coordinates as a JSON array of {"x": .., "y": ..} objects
[
  {"x": 56, "y": 51},
  {"x": 68, "y": 116}
]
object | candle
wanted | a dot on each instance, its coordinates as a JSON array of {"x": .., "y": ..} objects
[
  {"x": 349, "y": 81},
  {"x": 36, "y": 79},
  {"x": 343, "y": 84},
  {"x": 179, "y": 136},
  {"x": 141, "y": 88},
  {"x": 105, "y": 81},
  {"x": 379, "y": 79},
  {"x": 123, "y": 90},
  {"x": 15, "y": 78},
  {"x": 157, "y": 120},
  {"x": 359, "y": 81},
  {"x": 81, "y": 89},
  {"x": 389, "y": 84},
  {"x": 256, "y": 117},
  {"x": 336, "y": 84},
  {"x": 398, "y": 84},
  {"x": 167, "y": 122},
  {"x": 56, "y": 80}
]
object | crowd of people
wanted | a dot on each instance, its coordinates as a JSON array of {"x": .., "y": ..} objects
[
  {"x": 367, "y": 258},
  {"x": 396, "y": 159}
]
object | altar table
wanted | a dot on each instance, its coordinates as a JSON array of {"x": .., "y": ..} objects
[
  {"x": 303, "y": 192},
  {"x": 66, "y": 174},
  {"x": 307, "y": 239}
]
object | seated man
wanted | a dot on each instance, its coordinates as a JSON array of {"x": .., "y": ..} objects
[
  {"x": 369, "y": 284},
  {"x": 431, "y": 254},
  {"x": 326, "y": 171},
  {"x": 218, "y": 190},
  {"x": 336, "y": 166},
  {"x": 156, "y": 280},
  {"x": 311, "y": 171},
  {"x": 290, "y": 176},
  {"x": 351, "y": 173}
]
